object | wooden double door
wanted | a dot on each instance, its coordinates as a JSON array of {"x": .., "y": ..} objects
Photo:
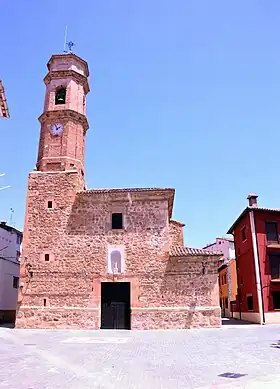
[{"x": 115, "y": 305}]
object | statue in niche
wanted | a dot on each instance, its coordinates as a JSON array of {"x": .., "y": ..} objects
[{"x": 116, "y": 261}]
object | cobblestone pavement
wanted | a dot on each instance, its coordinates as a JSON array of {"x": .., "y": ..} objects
[{"x": 46, "y": 359}]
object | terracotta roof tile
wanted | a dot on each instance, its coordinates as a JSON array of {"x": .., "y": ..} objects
[
  {"x": 177, "y": 222},
  {"x": 185, "y": 251},
  {"x": 116, "y": 190}
]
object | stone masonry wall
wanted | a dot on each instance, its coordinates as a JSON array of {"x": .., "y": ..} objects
[
  {"x": 176, "y": 233},
  {"x": 65, "y": 291}
]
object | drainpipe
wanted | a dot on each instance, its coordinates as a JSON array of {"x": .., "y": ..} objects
[{"x": 257, "y": 266}]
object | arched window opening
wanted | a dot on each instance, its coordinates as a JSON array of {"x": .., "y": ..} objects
[
  {"x": 116, "y": 261},
  {"x": 60, "y": 96}
]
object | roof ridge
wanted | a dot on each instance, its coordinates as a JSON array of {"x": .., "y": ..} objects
[{"x": 177, "y": 251}]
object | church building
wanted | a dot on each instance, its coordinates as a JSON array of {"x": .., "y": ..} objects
[{"x": 102, "y": 258}]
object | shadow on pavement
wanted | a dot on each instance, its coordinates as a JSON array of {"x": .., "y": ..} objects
[
  {"x": 235, "y": 322},
  {"x": 276, "y": 344},
  {"x": 7, "y": 325}
]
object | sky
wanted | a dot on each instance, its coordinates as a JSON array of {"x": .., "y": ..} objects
[{"x": 184, "y": 94}]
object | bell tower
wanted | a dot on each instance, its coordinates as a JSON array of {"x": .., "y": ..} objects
[{"x": 63, "y": 122}]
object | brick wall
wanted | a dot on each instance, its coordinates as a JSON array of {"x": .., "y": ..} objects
[{"x": 66, "y": 150}]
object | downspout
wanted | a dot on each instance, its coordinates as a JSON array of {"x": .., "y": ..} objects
[
  {"x": 257, "y": 266},
  {"x": 238, "y": 287},
  {"x": 261, "y": 284}
]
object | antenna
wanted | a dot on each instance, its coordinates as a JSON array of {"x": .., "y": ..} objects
[
  {"x": 65, "y": 39},
  {"x": 11, "y": 216},
  {"x": 69, "y": 44}
]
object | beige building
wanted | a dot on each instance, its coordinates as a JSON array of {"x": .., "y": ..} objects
[{"x": 103, "y": 258}]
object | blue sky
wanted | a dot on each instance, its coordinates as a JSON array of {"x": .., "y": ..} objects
[{"x": 184, "y": 94}]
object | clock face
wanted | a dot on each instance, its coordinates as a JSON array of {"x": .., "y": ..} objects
[{"x": 56, "y": 129}]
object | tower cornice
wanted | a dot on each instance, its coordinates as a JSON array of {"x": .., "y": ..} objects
[
  {"x": 63, "y": 74},
  {"x": 69, "y": 114},
  {"x": 68, "y": 56}
]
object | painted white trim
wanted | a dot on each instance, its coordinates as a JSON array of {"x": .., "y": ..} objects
[
  {"x": 272, "y": 317},
  {"x": 257, "y": 268},
  {"x": 253, "y": 317}
]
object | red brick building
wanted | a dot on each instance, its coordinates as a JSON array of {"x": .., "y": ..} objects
[
  {"x": 102, "y": 258},
  {"x": 257, "y": 247}
]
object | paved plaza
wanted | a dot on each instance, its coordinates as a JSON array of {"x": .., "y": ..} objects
[{"x": 235, "y": 356}]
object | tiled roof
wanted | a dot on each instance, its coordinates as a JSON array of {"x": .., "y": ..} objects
[
  {"x": 4, "y": 112},
  {"x": 255, "y": 209},
  {"x": 10, "y": 228},
  {"x": 177, "y": 222},
  {"x": 119, "y": 190},
  {"x": 185, "y": 251}
]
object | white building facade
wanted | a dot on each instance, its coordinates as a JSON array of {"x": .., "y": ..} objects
[
  {"x": 226, "y": 246},
  {"x": 10, "y": 248}
]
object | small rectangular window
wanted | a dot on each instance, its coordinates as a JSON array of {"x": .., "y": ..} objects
[
  {"x": 18, "y": 239},
  {"x": 250, "y": 305},
  {"x": 18, "y": 255},
  {"x": 276, "y": 300},
  {"x": 49, "y": 204},
  {"x": 117, "y": 221},
  {"x": 45, "y": 302},
  {"x": 271, "y": 232},
  {"x": 274, "y": 261},
  {"x": 47, "y": 257},
  {"x": 243, "y": 234},
  {"x": 15, "y": 282}
]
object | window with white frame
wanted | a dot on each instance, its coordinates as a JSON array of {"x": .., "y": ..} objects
[{"x": 115, "y": 261}]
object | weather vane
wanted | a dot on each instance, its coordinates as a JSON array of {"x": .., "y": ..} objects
[{"x": 70, "y": 45}]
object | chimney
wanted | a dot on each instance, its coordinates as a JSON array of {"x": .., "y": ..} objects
[
  {"x": 253, "y": 202},
  {"x": 3, "y": 222}
]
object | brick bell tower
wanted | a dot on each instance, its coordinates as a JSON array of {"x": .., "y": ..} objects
[
  {"x": 46, "y": 261},
  {"x": 63, "y": 122}
]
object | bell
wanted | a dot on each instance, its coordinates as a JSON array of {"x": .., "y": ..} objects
[{"x": 60, "y": 98}]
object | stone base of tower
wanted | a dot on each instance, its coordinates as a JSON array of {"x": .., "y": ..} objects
[
  {"x": 61, "y": 318},
  {"x": 175, "y": 319},
  {"x": 144, "y": 319}
]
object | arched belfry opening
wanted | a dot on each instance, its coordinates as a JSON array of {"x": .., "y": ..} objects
[{"x": 60, "y": 95}]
